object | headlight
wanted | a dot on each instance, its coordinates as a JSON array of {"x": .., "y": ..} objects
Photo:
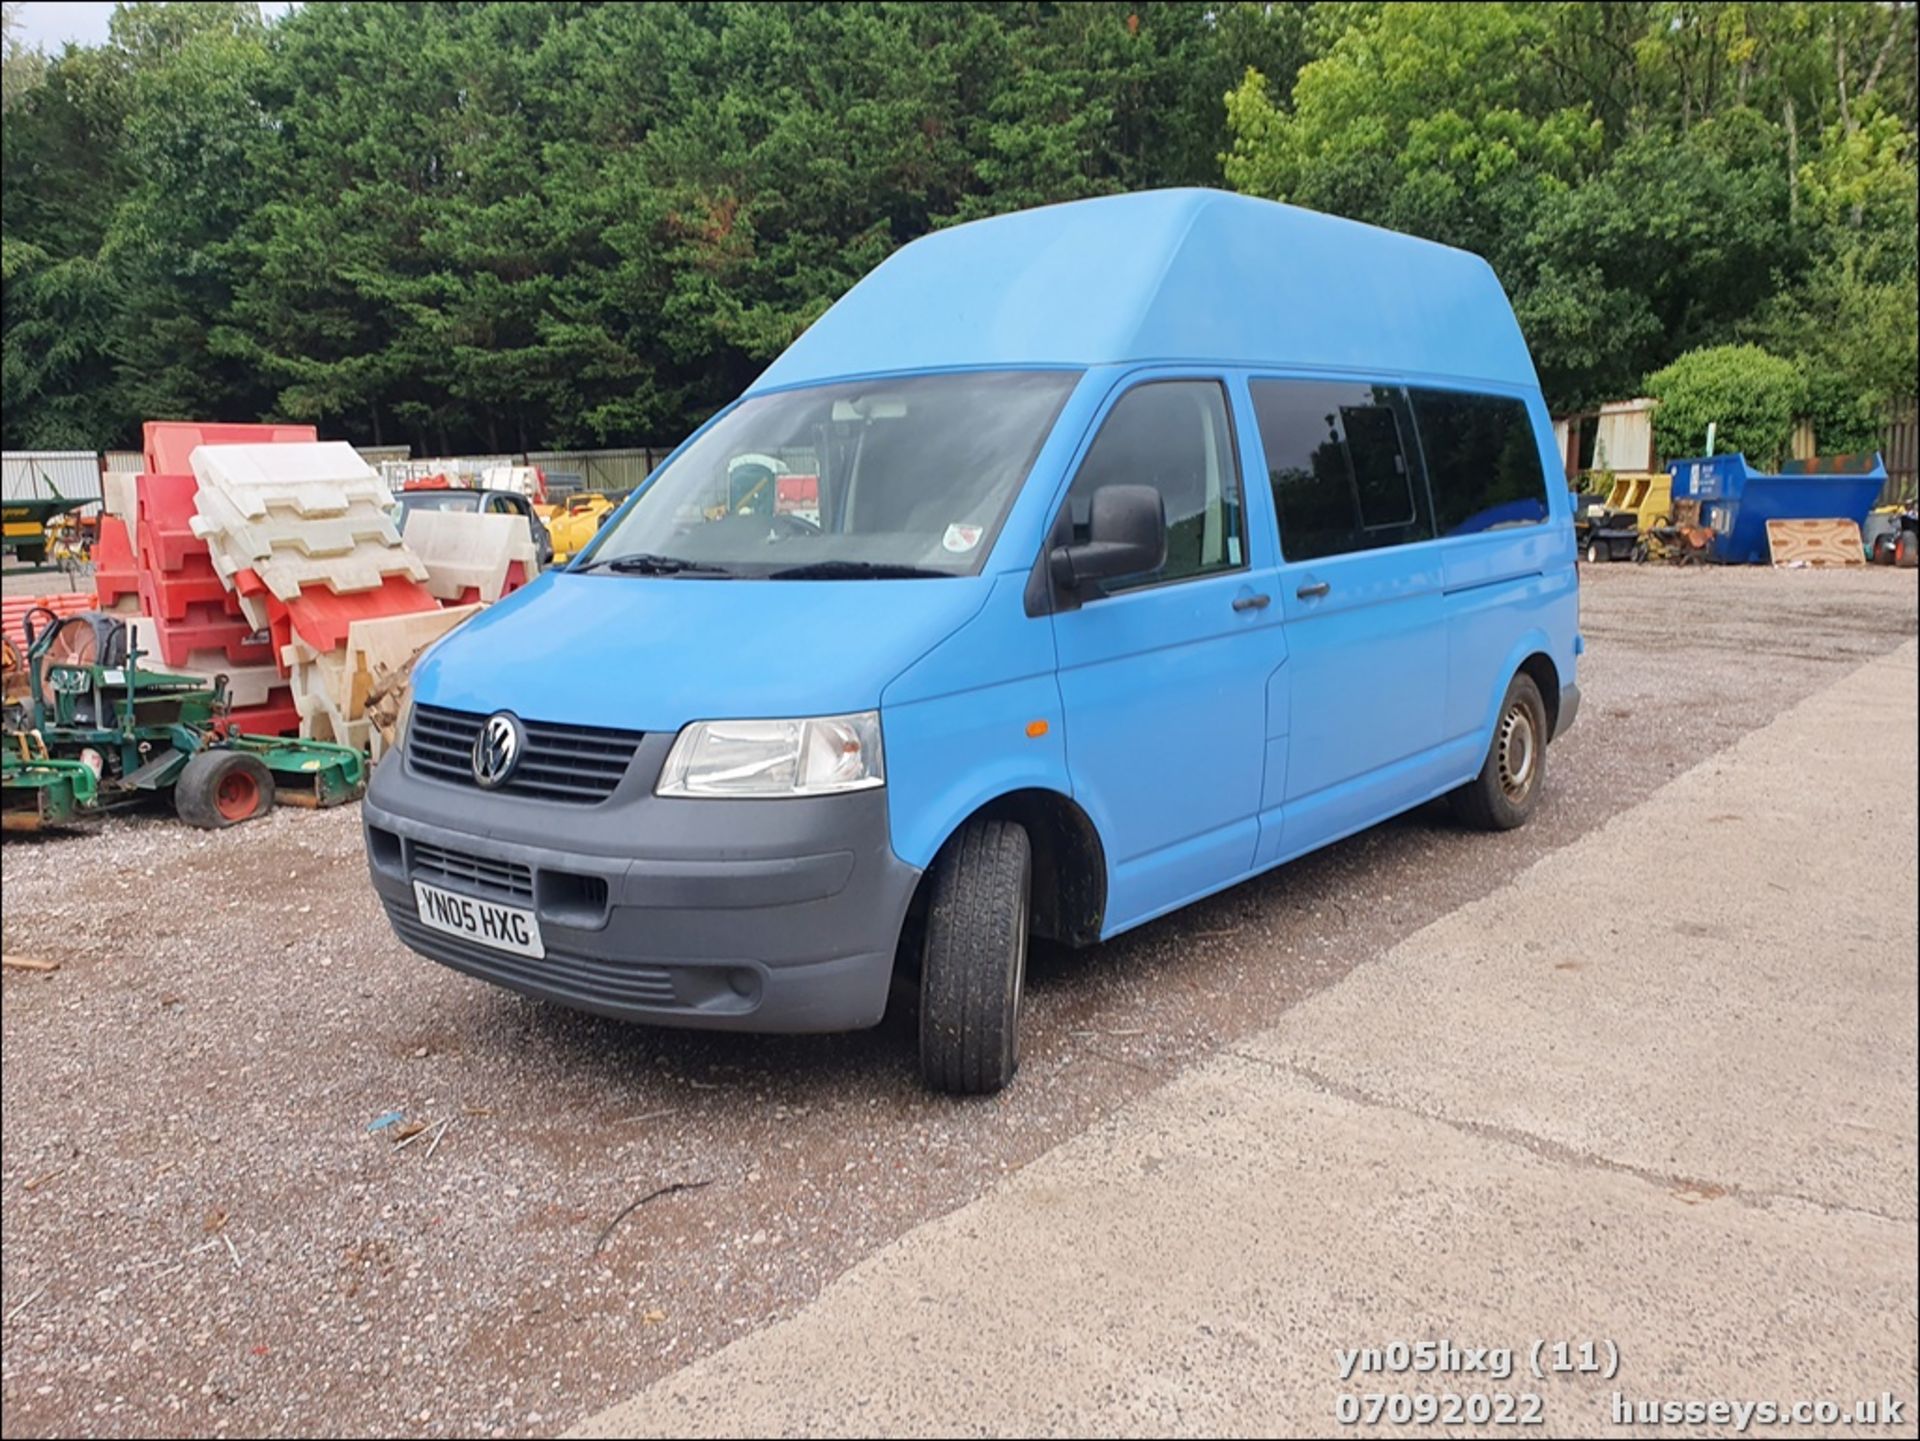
[{"x": 775, "y": 757}]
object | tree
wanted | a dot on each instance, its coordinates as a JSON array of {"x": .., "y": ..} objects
[
  {"x": 490, "y": 226},
  {"x": 1848, "y": 325},
  {"x": 22, "y": 66}
]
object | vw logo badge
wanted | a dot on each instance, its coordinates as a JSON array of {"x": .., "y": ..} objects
[{"x": 496, "y": 750}]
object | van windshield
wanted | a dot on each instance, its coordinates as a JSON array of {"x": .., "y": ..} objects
[{"x": 873, "y": 479}]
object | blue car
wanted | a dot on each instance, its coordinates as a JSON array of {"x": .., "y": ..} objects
[{"x": 1077, "y": 564}]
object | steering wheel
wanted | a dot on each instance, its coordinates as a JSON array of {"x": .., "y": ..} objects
[{"x": 794, "y": 525}]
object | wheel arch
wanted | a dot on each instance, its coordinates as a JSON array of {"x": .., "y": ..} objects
[
  {"x": 1539, "y": 667},
  {"x": 1531, "y": 655},
  {"x": 1069, "y": 862}
]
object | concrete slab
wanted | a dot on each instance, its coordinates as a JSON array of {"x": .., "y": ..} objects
[
  {"x": 1712, "y": 996},
  {"x": 314, "y": 478},
  {"x": 464, "y": 551},
  {"x": 1694, "y": 1151},
  {"x": 249, "y": 540}
]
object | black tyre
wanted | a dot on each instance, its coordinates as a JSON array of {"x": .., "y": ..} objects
[
  {"x": 974, "y": 967},
  {"x": 1595, "y": 553},
  {"x": 1508, "y": 787},
  {"x": 223, "y": 788}
]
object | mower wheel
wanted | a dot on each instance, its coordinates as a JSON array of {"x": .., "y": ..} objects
[{"x": 221, "y": 788}]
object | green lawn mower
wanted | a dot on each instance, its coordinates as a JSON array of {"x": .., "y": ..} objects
[{"x": 87, "y": 728}]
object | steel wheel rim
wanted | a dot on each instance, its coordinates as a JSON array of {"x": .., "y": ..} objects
[
  {"x": 236, "y": 797},
  {"x": 1519, "y": 751}
]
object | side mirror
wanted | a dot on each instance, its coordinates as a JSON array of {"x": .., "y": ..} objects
[{"x": 1126, "y": 535}]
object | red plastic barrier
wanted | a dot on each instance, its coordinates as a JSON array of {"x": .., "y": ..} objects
[
  {"x": 173, "y": 595},
  {"x": 164, "y": 530},
  {"x": 15, "y": 608},
  {"x": 205, "y": 627},
  {"x": 321, "y": 618},
  {"x": 169, "y": 443},
  {"x": 279, "y": 629},
  {"x": 278, "y": 717},
  {"x": 115, "y": 571}
]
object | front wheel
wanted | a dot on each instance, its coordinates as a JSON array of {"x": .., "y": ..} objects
[
  {"x": 220, "y": 788},
  {"x": 1594, "y": 553},
  {"x": 974, "y": 968},
  {"x": 1508, "y": 787}
]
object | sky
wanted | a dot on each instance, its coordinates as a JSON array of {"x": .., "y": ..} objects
[{"x": 49, "y": 24}]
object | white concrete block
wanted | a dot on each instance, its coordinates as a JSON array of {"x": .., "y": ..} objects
[
  {"x": 283, "y": 530},
  {"x": 462, "y": 550},
  {"x": 119, "y": 496},
  {"x": 312, "y": 478}
]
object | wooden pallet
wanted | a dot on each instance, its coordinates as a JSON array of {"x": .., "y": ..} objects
[{"x": 1815, "y": 542}]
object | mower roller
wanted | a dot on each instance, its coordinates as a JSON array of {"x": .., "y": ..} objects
[{"x": 87, "y": 728}]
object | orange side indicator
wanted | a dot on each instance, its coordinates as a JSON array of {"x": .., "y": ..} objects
[{"x": 1036, "y": 729}]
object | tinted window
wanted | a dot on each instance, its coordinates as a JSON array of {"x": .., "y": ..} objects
[
  {"x": 1483, "y": 464},
  {"x": 1382, "y": 479},
  {"x": 1172, "y": 435},
  {"x": 1338, "y": 461}
]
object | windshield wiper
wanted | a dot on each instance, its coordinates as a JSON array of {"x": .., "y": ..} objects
[
  {"x": 857, "y": 570},
  {"x": 644, "y": 564}
]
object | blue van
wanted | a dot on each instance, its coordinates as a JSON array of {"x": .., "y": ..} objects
[{"x": 1078, "y": 563}]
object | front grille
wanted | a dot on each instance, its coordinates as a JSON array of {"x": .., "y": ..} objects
[
  {"x": 579, "y": 765},
  {"x": 582, "y": 981},
  {"x": 462, "y": 871}
]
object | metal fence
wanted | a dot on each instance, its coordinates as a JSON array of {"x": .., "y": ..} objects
[
  {"x": 43, "y": 474},
  {"x": 597, "y": 469},
  {"x": 567, "y": 471},
  {"x": 77, "y": 472}
]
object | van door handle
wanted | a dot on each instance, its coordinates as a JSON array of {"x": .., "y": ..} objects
[
  {"x": 1309, "y": 592},
  {"x": 1252, "y": 602}
]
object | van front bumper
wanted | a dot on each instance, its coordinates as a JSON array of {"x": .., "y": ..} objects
[{"x": 777, "y": 915}]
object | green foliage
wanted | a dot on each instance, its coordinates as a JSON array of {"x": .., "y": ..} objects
[
  {"x": 1751, "y": 397},
  {"x": 23, "y": 67},
  {"x": 491, "y": 226},
  {"x": 1647, "y": 179}
]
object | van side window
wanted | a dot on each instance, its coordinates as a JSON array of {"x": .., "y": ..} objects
[
  {"x": 1339, "y": 459},
  {"x": 1172, "y": 435},
  {"x": 1483, "y": 462}
]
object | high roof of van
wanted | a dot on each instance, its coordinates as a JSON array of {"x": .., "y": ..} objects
[{"x": 1175, "y": 276}]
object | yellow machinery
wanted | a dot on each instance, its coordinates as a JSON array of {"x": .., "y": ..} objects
[
  {"x": 1646, "y": 495},
  {"x": 573, "y": 521}
]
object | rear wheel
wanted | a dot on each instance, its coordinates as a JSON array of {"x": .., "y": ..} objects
[
  {"x": 974, "y": 968},
  {"x": 1508, "y": 787},
  {"x": 221, "y": 788}
]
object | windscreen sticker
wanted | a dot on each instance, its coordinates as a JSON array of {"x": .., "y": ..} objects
[{"x": 962, "y": 538}]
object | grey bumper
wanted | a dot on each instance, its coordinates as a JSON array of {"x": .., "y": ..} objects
[
  {"x": 1569, "y": 711},
  {"x": 778, "y": 915}
]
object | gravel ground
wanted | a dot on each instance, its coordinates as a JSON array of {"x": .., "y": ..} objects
[
  {"x": 18, "y": 580},
  {"x": 201, "y": 1234}
]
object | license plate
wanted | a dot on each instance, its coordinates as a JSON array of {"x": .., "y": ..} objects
[{"x": 505, "y": 928}]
